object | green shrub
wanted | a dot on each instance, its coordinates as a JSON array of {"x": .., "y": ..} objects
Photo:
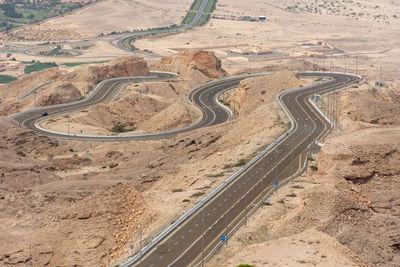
[
  {"x": 186, "y": 200},
  {"x": 6, "y": 79},
  {"x": 113, "y": 165},
  {"x": 118, "y": 128},
  {"x": 314, "y": 168},
  {"x": 39, "y": 66},
  {"x": 197, "y": 194},
  {"x": 297, "y": 186},
  {"x": 240, "y": 163},
  {"x": 245, "y": 265},
  {"x": 177, "y": 190}
]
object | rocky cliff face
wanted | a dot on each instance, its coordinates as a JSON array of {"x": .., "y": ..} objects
[
  {"x": 253, "y": 92},
  {"x": 66, "y": 87},
  {"x": 366, "y": 217},
  {"x": 119, "y": 67},
  {"x": 197, "y": 66}
]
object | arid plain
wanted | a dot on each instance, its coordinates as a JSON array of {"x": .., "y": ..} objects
[{"x": 77, "y": 203}]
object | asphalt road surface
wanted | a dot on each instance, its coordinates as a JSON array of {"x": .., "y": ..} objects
[
  {"x": 195, "y": 20},
  {"x": 200, "y": 233},
  {"x": 194, "y": 239},
  {"x": 204, "y": 97}
]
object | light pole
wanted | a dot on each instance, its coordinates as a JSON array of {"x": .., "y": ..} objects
[
  {"x": 165, "y": 130},
  {"x": 35, "y": 99},
  {"x": 140, "y": 246},
  {"x": 30, "y": 255},
  {"x": 245, "y": 202},
  {"x": 262, "y": 182},
  {"x": 291, "y": 165},
  {"x": 276, "y": 164},
  {"x": 68, "y": 123},
  {"x": 291, "y": 61},
  {"x": 345, "y": 64},
  {"x": 356, "y": 65},
  {"x": 226, "y": 217},
  {"x": 337, "y": 111},
  {"x": 202, "y": 238}
]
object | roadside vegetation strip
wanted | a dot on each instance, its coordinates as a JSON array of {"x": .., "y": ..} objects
[
  {"x": 27, "y": 12},
  {"x": 196, "y": 4},
  {"x": 126, "y": 43},
  {"x": 210, "y": 7},
  {"x": 73, "y": 64},
  {"x": 39, "y": 66},
  {"x": 6, "y": 79},
  {"x": 203, "y": 20},
  {"x": 189, "y": 17}
]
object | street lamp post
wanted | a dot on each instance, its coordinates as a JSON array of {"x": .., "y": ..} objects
[
  {"x": 262, "y": 182},
  {"x": 202, "y": 238},
  {"x": 276, "y": 164},
  {"x": 140, "y": 244},
  {"x": 30, "y": 254},
  {"x": 356, "y": 65},
  {"x": 245, "y": 202},
  {"x": 226, "y": 217},
  {"x": 291, "y": 165}
]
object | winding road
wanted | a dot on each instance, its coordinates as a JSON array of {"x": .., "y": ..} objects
[
  {"x": 204, "y": 97},
  {"x": 115, "y": 40},
  {"x": 196, "y": 234}
]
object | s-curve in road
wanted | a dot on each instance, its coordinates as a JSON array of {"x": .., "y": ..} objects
[
  {"x": 198, "y": 14},
  {"x": 196, "y": 235},
  {"x": 204, "y": 97}
]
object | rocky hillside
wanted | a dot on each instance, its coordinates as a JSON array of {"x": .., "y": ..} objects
[
  {"x": 66, "y": 87},
  {"x": 253, "y": 92},
  {"x": 150, "y": 106},
  {"x": 197, "y": 66}
]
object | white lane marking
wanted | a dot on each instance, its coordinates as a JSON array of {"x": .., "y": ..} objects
[
  {"x": 196, "y": 225},
  {"x": 176, "y": 243},
  {"x": 190, "y": 230}
]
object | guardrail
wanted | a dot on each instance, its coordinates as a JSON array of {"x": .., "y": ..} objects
[
  {"x": 197, "y": 207},
  {"x": 34, "y": 89},
  {"x": 98, "y": 86}
]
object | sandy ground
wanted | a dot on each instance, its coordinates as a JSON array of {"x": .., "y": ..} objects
[
  {"x": 113, "y": 15},
  {"x": 371, "y": 34},
  {"x": 140, "y": 171},
  {"x": 344, "y": 214},
  {"x": 260, "y": 244},
  {"x": 360, "y": 224}
]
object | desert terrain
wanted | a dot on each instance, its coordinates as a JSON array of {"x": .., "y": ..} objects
[
  {"x": 122, "y": 15},
  {"x": 77, "y": 203}
]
